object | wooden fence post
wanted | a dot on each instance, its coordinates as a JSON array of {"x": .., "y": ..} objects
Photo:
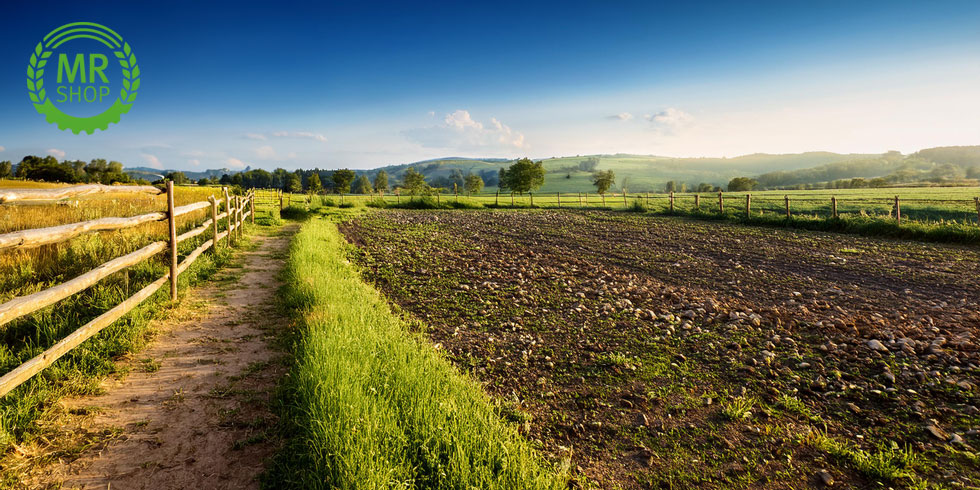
[
  {"x": 697, "y": 202},
  {"x": 786, "y": 197},
  {"x": 833, "y": 206},
  {"x": 496, "y": 198},
  {"x": 172, "y": 223},
  {"x": 280, "y": 201},
  {"x": 228, "y": 212},
  {"x": 624, "y": 199},
  {"x": 898, "y": 210},
  {"x": 721, "y": 204},
  {"x": 581, "y": 203},
  {"x": 512, "y": 199},
  {"x": 748, "y": 205},
  {"x": 559, "y": 199},
  {"x": 251, "y": 206},
  {"x": 239, "y": 216},
  {"x": 671, "y": 202},
  {"x": 214, "y": 221},
  {"x": 976, "y": 200}
]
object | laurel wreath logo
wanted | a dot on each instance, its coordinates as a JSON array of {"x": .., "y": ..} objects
[{"x": 127, "y": 94}]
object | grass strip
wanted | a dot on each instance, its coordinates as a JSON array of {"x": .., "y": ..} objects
[{"x": 368, "y": 404}]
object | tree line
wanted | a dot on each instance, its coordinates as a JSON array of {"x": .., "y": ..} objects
[{"x": 49, "y": 169}]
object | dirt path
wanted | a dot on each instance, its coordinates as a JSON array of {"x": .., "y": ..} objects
[{"x": 193, "y": 412}]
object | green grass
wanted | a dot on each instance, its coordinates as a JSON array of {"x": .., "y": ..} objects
[{"x": 367, "y": 404}]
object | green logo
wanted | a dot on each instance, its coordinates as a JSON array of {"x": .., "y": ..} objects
[{"x": 84, "y": 84}]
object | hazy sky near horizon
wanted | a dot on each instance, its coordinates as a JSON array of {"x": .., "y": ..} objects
[{"x": 316, "y": 84}]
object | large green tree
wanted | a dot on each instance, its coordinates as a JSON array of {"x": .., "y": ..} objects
[
  {"x": 313, "y": 184},
  {"x": 414, "y": 182},
  {"x": 523, "y": 176},
  {"x": 742, "y": 184},
  {"x": 381, "y": 182},
  {"x": 295, "y": 184},
  {"x": 6, "y": 168},
  {"x": 603, "y": 180},
  {"x": 474, "y": 184},
  {"x": 342, "y": 179},
  {"x": 363, "y": 185}
]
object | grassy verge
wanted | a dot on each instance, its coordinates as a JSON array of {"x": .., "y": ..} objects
[{"x": 368, "y": 404}]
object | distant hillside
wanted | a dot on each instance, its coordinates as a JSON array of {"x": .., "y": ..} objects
[
  {"x": 650, "y": 173},
  {"x": 639, "y": 173},
  {"x": 945, "y": 165}
]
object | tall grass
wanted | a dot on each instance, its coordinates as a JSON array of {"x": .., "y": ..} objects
[{"x": 370, "y": 405}]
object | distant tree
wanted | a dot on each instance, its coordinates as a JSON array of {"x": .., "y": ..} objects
[
  {"x": 363, "y": 185},
  {"x": 589, "y": 164},
  {"x": 381, "y": 182},
  {"x": 456, "y": 177},
  {"x": 603, "y": 180},
  {"x": 313, "y": 185},
  {"x": 295, "y": 184},
  {"x": 178, "y": 178},
  {"x": 6, "y": 168},
  {"x": 46, "y": 169},
  {"x": 671, "y": 186},
  {"x": 342, "y": 179},
  {"x": 742, "y": 184},
  {"x": 414, "y": 182},
  {"x": 225, "y": 180},
  {"x": 474, "y": 184},
  {"x": 203, "y": 181},
  {"x": 523, "y": 176},
  {"x": 705, "y": 187}
]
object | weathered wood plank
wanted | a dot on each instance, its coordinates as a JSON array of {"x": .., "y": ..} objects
[
  {"x": 11, "y": 195},
  {"x": 25, "y": 371},
  {"x": 194, "y": 231},
  {"x": 24, "y": 305},
  {"x": 55, "y": 234},
  {"x": 190, "y": 208}
]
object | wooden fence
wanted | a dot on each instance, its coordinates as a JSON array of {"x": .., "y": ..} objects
[{"x": 237, "y": 209}]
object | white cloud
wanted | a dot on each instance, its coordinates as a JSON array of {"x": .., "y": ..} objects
[
  {"x": 461, "y": 132},
  {"x": 255, "y": 136},
  {"x": 305, "y": 135},
  {"x": 310, "y": 136},
  {"x": 431, "y": 113},
  {"x": 265, "y": 152},
  {"x": 2, "y": 148},
  {"x": 195, "y": 163},
  {"x": 670, "y": 120},
  {"x": 56, "y": 153},
  {"x": 622, "y": 116},
  {"x": 236, "y": 163},
  {"x": 152, "y": 160}
]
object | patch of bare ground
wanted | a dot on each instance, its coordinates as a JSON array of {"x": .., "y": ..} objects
[
  {"x": 193, "y": 409},
  {"x": 669, "y": 353}
]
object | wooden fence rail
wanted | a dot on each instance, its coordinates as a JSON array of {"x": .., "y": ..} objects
[
  {"x": 18, "y": 307},
  {"x": 11, "y": 195}
]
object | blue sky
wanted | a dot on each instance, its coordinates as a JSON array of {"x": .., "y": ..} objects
[{"x": 318, "y": 84}]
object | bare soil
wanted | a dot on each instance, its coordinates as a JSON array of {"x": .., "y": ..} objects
[
  {"x": 193, "y": 410},
  {"x": 671, "y": 353}
]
